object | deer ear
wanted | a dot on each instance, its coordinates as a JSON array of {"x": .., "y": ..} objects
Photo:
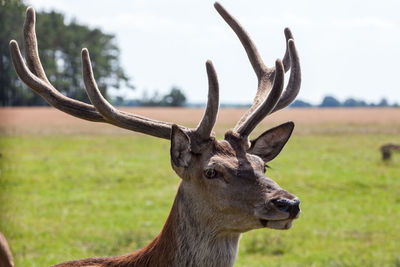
[
  {"x": 269, "y": 144},
  {"x": 180, "y": 147}
]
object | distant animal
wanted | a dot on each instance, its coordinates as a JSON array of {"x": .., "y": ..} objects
[
  {"x": 387, "y": 150},
  {"x": 224, "y": 191},
  {"x": 6, "y": 258}
]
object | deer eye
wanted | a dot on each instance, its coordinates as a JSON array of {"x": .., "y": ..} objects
[{"x": 210, "y": 173}]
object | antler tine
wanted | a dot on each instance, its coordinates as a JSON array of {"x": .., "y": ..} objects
[
  {"x": 267, "y": 106},
  {"x": 293, "y": 87},
  {"x": 286, "y": 57},
  {"x": 49, "y": 93},
  {"x": 206, "y": 125},
  {"x": 251, "y": 50},
  {"x": 30, "y": 46},
  {"x": 113, "y": 115}
]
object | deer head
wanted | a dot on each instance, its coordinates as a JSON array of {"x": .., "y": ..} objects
[{"x": 224, "y": 187}]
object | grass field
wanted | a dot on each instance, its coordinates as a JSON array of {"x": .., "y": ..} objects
[{"x": 70, "y": 189}]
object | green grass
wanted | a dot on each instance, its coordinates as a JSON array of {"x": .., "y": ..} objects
[{"x": 70, "y": 197}]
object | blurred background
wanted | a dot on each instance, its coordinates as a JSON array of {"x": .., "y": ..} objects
[{"x": 71, "y": 189}]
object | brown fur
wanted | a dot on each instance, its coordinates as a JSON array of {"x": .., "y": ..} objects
[{"x": 6, "y": 258}]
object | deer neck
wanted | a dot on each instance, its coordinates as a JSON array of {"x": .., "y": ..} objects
[
  {"x": 200, "y": 239},
  {"x": 190, "y": 239}
]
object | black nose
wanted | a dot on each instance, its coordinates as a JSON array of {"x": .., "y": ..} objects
[{"x": 288, "y": 205}]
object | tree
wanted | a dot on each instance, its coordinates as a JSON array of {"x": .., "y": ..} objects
[
  {"x": 351, "y": 102},
  {"x": 11, "y": 16},
  {"x": 152, "y": 101},
  {"x": 59, "y": 45},
  {"x": 383, "y": 103},
  {"x": 330, "y": 101},
  {"x": 175, "y": 98},
  {"x": 300, "y": 104}
]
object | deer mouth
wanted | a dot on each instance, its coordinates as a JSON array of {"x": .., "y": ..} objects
[
  {"x": 281, "y": 224},
  {"x": 277, "y": 224}
]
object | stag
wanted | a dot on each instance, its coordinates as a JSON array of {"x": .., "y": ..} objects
[{"x": 223, "y": 190}]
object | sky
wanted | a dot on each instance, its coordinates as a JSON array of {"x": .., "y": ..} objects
[{"x": 347, "y": 48}]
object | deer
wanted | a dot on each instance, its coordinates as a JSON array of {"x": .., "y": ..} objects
[
  {"x": 387, "y": 150},
  {"x": 224, "y": 191}
]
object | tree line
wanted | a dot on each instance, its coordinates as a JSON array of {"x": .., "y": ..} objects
[
  {"x": 332, "y": 102},
  {"x": 174, "y": 98}
]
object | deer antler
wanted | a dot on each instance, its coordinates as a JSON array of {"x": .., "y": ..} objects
[
  {"x": 269, "y": 97},
  {"x": 33, "y": 75}
]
